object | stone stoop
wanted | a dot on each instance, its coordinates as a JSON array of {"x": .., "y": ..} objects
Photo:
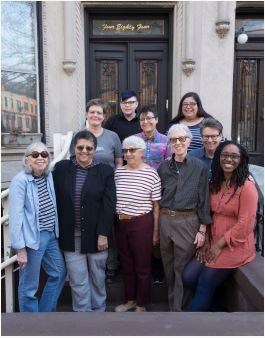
[{"x": 115, "y": 296}]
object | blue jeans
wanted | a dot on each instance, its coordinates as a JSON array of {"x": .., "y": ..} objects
[
  {"x": 87, "y": 278},
  {"x": 51, "y": 259},
  {"x": 204, "y": 281}
]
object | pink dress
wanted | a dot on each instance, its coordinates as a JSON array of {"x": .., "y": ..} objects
[{"x": 235, "y": 221}]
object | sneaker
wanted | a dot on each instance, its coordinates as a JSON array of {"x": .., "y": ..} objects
[
  {"x": 158, "y": 280},
  {"x": 111, "y": 273},
  {"x": 140, "y": 309},
  {"x": 126, "y": 307}
]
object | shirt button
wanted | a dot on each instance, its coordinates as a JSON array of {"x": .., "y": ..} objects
[{"x": 82, "y": 229}]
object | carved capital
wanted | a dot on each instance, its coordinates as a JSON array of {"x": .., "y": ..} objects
[
  {"x": 188, "y": 67},
  {"x": 222, "y": 28},
  {"x": 69, "y": 66}
]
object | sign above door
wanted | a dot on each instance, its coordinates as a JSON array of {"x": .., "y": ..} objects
[{"x": 125, "y": 27}]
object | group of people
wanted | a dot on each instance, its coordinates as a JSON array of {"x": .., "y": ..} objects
[{"x": 183, "y": 204}]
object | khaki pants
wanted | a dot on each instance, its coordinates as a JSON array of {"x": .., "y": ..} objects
[{"x": 177, "y": 235}]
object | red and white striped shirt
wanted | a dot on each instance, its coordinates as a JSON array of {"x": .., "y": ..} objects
[{"x": 136, "y": 189}]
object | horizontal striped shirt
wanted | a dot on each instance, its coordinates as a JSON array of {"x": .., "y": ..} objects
[
  {"x": 46, "y": 207},
  {"x": 136, "y": 189},
  {"x": 196, "y": 137}
]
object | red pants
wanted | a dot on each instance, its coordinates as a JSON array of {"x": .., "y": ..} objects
[{"x": 134, "y": 242}]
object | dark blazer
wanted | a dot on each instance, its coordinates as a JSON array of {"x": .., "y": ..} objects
[{"x": 98, "y": 202}]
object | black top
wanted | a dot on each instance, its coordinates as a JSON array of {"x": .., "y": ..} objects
[
  {"x": 185, "y": 187},
  {"x": 97, "y": 204},
  {"x": 124, "y": 128}
]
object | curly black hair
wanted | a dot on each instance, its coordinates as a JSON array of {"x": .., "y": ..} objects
[{"x": 238, "y": 177}]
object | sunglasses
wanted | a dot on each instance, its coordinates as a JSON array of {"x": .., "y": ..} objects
[
  {"x": 36, "y": 154},
  {"x": 130, "y": 150},
  {"x": 182, "y": 139},
  {"x": 88, "y": 148}
]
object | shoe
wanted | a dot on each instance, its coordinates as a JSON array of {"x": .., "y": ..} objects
[
  {"x": 140, "y": 309},
  {"x": 126, "y": 307},
  {"x": 111, "y": 273},
  {"x": 159, "y": 280}
]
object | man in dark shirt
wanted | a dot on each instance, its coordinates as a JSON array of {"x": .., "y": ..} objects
[
  {"x": 184, "y": 210},
  {"x": 127, "y": 123}
]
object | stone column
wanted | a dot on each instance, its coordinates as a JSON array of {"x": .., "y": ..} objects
[{"x": 188, "y": 64}]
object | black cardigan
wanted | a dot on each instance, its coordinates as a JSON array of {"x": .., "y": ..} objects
[{"x": 98, "y": 201}]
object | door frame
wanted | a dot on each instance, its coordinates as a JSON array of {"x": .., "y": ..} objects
[{"x": 100, "y": 12}]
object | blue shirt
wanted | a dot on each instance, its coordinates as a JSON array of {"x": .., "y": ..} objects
[
  {"x": 24, "y": 225},
  {"x": 200, "y": 154}
]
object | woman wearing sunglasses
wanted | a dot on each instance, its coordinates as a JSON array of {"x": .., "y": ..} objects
[
  {"x": 85, "y": 192},
  {"x": 33, "y": 226},
  {"x": 184, "y": 210},
  {"x": 138, "y": 192}
]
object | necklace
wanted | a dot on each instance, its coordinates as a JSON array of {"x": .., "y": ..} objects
[{"x": 178, "y": 165}]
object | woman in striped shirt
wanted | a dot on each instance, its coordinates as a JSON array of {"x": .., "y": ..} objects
[
  {"x": 33, "y": 225},
  {"x": 191, "y": 113},
  {"x": 138, "y": 190}
]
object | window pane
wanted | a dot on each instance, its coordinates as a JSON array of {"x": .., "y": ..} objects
[
  {"x": 18, "y": 41},
  {"x": 251, "y": 26},
  {"x": 18, "y": 94}
]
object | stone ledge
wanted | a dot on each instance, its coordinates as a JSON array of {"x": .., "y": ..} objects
[
  {"x": 244, "y": 291},
  {"x": 133, "y": 324}
]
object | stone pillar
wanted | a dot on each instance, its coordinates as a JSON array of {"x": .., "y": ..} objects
[{"x": 188, "y": 64}]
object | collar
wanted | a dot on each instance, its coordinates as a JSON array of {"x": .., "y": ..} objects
[
  {"x": 92, "y": 164},
  {"x": 172, "y": 162},
  {"x": 152, "y": 139},
  {"x": 136, "y": 118}
]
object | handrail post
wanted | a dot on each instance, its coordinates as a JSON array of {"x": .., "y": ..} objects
[{"x": 9, "y": 276}]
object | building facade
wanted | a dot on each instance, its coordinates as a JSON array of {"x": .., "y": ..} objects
[{"x": 59, "y": 54}]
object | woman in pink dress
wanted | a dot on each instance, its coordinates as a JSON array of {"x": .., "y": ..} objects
[{"x": 234, "y": 200}]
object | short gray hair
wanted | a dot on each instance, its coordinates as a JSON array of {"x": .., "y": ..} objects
[
  {"x": 210, "y": 122},
  {"x": 179, "y": 127},
  {"x": 32, "y": 147},
  {"x": 134, "y": 141}
]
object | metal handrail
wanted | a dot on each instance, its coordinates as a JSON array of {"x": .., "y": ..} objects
[
  {"x": 8, "y": 262},
  {"x": 5, "y": 193}
]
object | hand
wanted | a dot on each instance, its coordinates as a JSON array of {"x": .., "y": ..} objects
[
  {"x": 203, "y": 252},
  {"x": 214, "y": 252},
  {"x": 199, "y": 240},
  {"x": 22, "y": 258},
  {"x": 102, "y": 243},
  {"x": 155, "y": 237}
]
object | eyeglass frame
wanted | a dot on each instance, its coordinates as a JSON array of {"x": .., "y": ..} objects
[
  {"x": 213, "y": 137},
  {"x": 130, "y": 150},
  {"x": 178, "y": 138},
  {"x": 35, "y": 153},
  {"x": 80, "y": 148},
  {"x": 231, "y": 156},
  {"x": 129, "y": 103}
]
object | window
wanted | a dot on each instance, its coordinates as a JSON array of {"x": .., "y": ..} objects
[
  {"x": 19, "y": 72},
  {"x": 27, "y": 123},
  {"x": 19, "y": 122},
  {"x": 6, "y": 104},
  {"x": 26, "y": 106}
]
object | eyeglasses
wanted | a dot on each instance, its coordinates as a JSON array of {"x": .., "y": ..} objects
[
  {"x": 128, "y": 103},
  {"x": 226, "y": 156},
  {"x": 130, "y": 150},
  {"x": 95, "y": 112},
  {"x": 191, "y": 104},
  {"x": 207, "y": 137},
  {"x": 36, "y": 154},
  {"x": 88, "y": 148},
  {"x": 181, "y": 139},
  {"x": 148, "y": 118}
]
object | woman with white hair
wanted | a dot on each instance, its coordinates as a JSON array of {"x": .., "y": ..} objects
[
  {"x": 138, "y": 191},
  {"x": 33, "y": 225},
  {"x": 184, "y": 210}
]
